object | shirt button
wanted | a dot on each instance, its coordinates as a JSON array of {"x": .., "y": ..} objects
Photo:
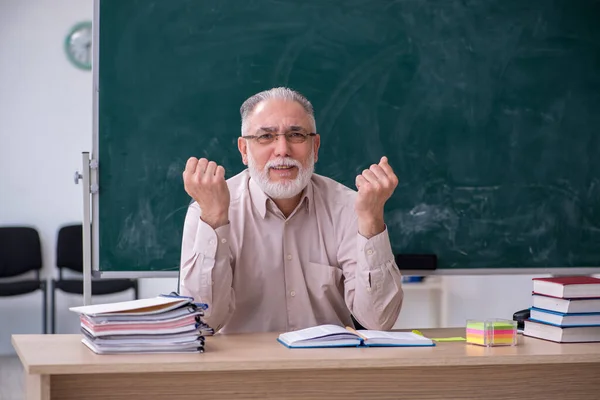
[
  {"x": 212, "y": 242},
  {"x": 369, "y": 252},
  {"x": 223, "y": 240},
  {"x": 293, "y": 293},
  {"x": 289, "y": 257},
  {"x": 368, "y": 289}
]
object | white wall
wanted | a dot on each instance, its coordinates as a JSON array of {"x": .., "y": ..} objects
[
  {"x": 45, "y": 124},
  {"x": 45, "y": 121}
]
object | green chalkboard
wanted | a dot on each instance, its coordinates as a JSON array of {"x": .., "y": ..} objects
[{"x": 489, "y": 111}]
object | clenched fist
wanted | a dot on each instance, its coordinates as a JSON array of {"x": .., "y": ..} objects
[
  {"x": 205, "y": 182},
  {"x": 375, "y": 186}
]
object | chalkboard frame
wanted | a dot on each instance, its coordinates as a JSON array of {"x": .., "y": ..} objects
[{"x": 96, "y": 203}]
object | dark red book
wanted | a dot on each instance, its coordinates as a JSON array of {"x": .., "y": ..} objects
[{"x": 567, "y": 287}]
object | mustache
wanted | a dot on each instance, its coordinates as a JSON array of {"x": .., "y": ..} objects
[{"x": 283, "y": 162}]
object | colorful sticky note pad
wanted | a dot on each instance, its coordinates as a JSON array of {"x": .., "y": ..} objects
[{"x": 493, "y": 332}]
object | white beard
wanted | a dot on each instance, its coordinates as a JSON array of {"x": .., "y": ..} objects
[{"x": 284, "y": 189}]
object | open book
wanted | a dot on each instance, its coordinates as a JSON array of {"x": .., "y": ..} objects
[{"x": 336, "y": 336}]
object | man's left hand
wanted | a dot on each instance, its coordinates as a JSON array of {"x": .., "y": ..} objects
[{"x": 375, "y": 186}]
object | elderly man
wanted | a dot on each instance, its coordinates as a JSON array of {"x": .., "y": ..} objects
[{"x": 278, "y": 247}]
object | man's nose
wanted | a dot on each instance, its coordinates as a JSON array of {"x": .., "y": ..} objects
[{"x": 282, "y": 147}]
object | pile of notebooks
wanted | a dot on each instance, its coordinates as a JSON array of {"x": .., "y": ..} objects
[
  {"x": 164, "y": 324},
  {"x": 565, "y": 309}
]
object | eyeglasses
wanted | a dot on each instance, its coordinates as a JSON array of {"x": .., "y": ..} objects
[{"x": 291, "y": 137}]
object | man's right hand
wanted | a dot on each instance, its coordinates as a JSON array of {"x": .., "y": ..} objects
[{"x": 205, "y": 182}]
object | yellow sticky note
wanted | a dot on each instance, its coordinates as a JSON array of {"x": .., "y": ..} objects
[
  {"x": 444, "y": 339},
  {"x": 449, "y": 339}
]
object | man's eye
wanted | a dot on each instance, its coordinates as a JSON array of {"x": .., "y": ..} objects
[
  {"x": 296, "y": 135},
  {"x": 265, "y": 136}
]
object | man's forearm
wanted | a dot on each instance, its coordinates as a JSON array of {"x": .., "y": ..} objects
[
  {"x": 369, "y": 226},
  {"x": 215, "y": 220},
  {"x": 209, "y": 281},
  {"x": 378, "y": 294},
  {"x": 206, "y": 272}
]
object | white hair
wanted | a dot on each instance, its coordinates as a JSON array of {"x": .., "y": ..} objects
[{"x": 281, "y": 93}]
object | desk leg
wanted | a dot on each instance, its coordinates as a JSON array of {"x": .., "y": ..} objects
[{"x": 37, "y": 387}]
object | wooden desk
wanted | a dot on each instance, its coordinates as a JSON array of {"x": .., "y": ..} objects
[{"x": 256, "y": 366}]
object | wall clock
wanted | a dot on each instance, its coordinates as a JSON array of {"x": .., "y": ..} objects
[{"x": 78, "y": 45}]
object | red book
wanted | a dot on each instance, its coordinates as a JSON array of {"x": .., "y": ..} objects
[{"x": 567, "y": 287}]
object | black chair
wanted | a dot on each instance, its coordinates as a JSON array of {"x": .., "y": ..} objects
[
  {"x": 69, "y": 255},
  {"x": 21, "y": 253}
]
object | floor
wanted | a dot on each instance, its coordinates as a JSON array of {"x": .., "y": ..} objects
[{"x": 11, "y": 378}]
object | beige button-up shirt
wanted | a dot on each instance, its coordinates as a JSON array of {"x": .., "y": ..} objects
[{"x": 264, "y": 272}]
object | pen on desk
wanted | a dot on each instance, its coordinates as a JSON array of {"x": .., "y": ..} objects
[{"x": 356, "y": 332}]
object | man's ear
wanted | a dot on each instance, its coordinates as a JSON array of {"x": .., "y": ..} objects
[
  {"x": 243, "y": 148},
  {"x": 317, "y": 144}
]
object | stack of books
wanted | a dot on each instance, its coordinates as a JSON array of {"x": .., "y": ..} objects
[
  {"x": 164, "y": 324},
  {"x": 565, "y": 309}
]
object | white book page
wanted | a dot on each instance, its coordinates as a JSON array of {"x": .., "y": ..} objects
[
  {"x": 320, "y": 331},
  {"x": 135, "y": 349},
  {"x": 150, "y": 306},
  {"x": 394, "y": 336},
  {"x": 166, "y": 315}
]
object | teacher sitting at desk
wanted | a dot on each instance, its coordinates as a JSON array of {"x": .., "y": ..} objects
[{"x": 278, "y": 247}]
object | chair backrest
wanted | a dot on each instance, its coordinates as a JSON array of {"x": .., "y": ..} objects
[
  {"x": 69, "y": 248},
  {"x": 20, "y": 251}
]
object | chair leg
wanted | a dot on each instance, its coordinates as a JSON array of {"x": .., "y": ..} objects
[
  {"x": 45, "y": 309},
  {"x": 52, "y": 307}
]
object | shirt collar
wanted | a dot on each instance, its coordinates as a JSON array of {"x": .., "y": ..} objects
[{"x": 260, "y": 199}]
